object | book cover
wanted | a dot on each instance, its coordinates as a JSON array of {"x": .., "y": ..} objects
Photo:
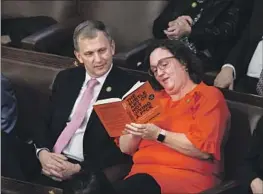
[{"x": 138, "y": 105}]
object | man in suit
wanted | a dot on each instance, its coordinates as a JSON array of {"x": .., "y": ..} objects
[
  {"x": 251, "y": 170},
  {"x": 245, "y": 56},
  {"x": 74, "y": 92},
  {"x": 207, "y": 27},
  {"x": 9, "y": 143}
]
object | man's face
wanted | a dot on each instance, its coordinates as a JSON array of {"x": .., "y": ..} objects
[{"x": 96, "y": 54}]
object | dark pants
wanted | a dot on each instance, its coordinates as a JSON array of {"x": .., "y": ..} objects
[
  {"x": 137, "y": 184},
  {"x": 10, "y": 162},
  {"x": 247, "y": 85},
  {"x": 18, "y": 159}
]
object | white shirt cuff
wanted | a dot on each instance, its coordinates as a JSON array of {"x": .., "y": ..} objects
[
  {"x": 39, "y": 149},
  {"x": 234, "y": 70}
]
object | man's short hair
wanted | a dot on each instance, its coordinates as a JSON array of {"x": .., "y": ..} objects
[{"x": 89, "y": 29}]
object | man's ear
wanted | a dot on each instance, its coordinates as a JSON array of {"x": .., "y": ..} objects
[
  {"x": 112, "y": 47},
  {"x": 78, "y": 56}
]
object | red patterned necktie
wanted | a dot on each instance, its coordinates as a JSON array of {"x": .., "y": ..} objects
[
  {"x": 260, "y": 84},
  {"x": 77, "y": 117}
]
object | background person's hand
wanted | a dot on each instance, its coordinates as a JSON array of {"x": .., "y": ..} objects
[
  {"x": 179, "y": 27},
  {"x": 225, "y": 78},
  {"x": 146, "y": 131},
  {"x": 52, "y": 163}
]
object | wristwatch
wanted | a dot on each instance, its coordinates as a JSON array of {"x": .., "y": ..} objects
[{"x": 161, "y": 135}]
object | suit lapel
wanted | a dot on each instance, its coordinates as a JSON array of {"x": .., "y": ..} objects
[
  {"x": 109, "y": 87},
  {"x": 75, "y": 83}
]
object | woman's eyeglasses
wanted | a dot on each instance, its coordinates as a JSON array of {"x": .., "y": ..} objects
[{"x": 162, "y": 65}]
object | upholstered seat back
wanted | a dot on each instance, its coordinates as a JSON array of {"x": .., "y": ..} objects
[
  {"x": 130, "y": 21},
  {"x": 244, "y": 118},
  {"x": 58, "y": 10}
]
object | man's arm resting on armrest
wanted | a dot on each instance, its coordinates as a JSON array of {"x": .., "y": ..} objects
[{"x": 231, "y": 66}]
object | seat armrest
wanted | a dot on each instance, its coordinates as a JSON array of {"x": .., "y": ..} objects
[
  {"x": 209, "y": 77},
  {"x": 45, "y": 39},
  {"x": 226, "y": 187},
  {"x": 133, "y": 58}
]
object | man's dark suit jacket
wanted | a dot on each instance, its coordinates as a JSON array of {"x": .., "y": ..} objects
[
  {"x": 215, "y": 31},
  {"x": 98, "y": 148},
  {"x": 253, "y": 164},
  {"x": 243, "y": 51}
]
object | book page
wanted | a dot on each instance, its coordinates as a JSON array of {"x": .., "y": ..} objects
[
  {"x": 135, "y": 87},
  {"x": 108, "y": 100}
]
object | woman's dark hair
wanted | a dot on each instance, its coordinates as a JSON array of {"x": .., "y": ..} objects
[{"x": 182, "y": 53}]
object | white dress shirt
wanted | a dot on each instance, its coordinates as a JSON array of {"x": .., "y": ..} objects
[
  {"x": 74, "y": 149},
  {"x": 256, "y": 63}
]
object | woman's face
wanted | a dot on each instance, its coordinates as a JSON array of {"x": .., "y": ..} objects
[{"x": 168, "y": 71}]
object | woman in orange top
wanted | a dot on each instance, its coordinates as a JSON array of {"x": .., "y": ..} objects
[{"x": 181, "y": 149}]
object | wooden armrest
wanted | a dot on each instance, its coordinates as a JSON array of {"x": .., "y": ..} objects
[
  {"x": 50, "y": 37},
  {"x": 226, "y": 187}
]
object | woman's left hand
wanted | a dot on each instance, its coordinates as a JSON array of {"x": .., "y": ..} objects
[{"x": 146, "y": 131}]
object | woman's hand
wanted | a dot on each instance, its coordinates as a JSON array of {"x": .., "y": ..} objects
[{"x": 146, "y": 131}]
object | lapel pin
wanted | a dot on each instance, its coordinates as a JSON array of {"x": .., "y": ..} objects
[
  {"x": 194, "y": 4},
  {"x": 108, "y": 89},
  {"x": 188, "y": 100}
]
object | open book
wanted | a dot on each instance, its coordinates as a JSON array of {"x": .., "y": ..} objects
[{"x": 138, "y": 105}]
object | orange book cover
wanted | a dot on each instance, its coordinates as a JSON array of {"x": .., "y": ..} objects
[{"x": 138, "y": 105}]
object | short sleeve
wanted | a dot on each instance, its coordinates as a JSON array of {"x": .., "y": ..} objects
[
  {"x": 209, "y": 125},
  {"x": 117, "y": 141}
]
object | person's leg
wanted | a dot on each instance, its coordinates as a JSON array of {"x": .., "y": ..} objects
[
  {"x": 10, "y": 164},
  {"x": 139, "y": 184}
]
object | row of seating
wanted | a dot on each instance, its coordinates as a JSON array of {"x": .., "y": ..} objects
[
  {"x": 118, "y": 15},
  {"x": 32, "y": 80},
  {"x": 132, "y": 38}
]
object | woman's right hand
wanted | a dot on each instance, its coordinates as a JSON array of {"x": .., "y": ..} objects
[{"x": 257, "y": 186}]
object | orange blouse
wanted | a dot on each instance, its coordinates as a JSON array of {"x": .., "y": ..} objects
[{"x": 202, "y": 115}]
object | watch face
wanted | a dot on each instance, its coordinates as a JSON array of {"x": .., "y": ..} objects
[{"x": 160, "y": 137}]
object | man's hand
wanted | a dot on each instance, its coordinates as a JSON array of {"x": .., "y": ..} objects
[
  {"x": 257, "y": 186},
  {"x": 225, "y": 78},
  {"x": 52, "y": 163},
  {"x": 145, "y": 131},
  {"x": 70, "y": 169},
  {"x": 179, "y": 27}
]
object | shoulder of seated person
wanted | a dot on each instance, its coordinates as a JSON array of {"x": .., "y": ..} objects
[
  {"x": 69, "y": 71},
  {"x": 212, "y": 92}
]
